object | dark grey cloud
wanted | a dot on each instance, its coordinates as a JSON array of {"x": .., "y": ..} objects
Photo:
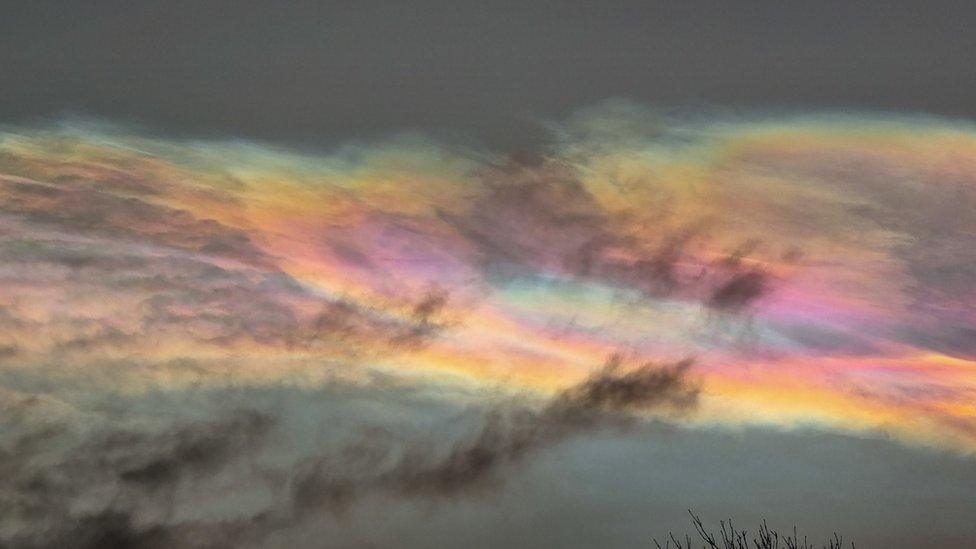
[
  {"x": 328, "y": 71},
  {"x": 427, "y": 319},
  {"x": 739, "y": 284},
  {"x": 57, "y": 498},
  {"x": 589, "y": 475},
  {"x": 189, "y": 450},
  {"x": 109, "y": 529},
  {"x": 538, "y": 216},
  {"x": 508, "y": 435},
  {"x": 740, "y": 290},
  {"x": 123, "y": 486}
]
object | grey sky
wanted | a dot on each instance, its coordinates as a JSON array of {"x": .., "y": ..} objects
[{"x": 321, "y": 72}]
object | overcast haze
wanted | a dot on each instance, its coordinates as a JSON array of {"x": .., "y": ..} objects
[{"x": 331, "y": 71}]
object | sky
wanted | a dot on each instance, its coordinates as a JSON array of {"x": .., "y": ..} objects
[{"x": 359, "y": 275}]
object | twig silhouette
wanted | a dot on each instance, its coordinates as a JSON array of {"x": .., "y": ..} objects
[{"x": 730, "y": 538}]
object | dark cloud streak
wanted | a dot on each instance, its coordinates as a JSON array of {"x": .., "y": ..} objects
[
  {"x": 508, "y": 435},
  {"x": 142, "y": 470}
]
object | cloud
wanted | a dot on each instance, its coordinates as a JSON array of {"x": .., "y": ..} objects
[
  {"x": 162, "y": 275},
  {"x": 121, "y": 484},
  {"x": 541, "y": 217},
  {"x": 530, "y": 216},
  {"x": 739, "y": 291},
  {"x": 88, "y": 210},
  {"x": 189, "y": 450},
  {"x": 56, "y": 490},
  {"x": 134, "y": 266},
  {"x": 828, "y": 340},
  {"x": 508, "y": 435}
]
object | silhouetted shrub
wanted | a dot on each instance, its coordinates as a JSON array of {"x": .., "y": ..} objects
[{"x": 730, "y": 538}]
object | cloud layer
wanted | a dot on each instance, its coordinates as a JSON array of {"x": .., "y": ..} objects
[{"x": 818, "y": 269}]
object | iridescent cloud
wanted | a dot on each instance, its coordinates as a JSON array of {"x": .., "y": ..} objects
[{"x": 819, "y": 269}]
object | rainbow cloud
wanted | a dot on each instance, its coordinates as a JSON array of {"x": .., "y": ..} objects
[{"x": 819, "y": 269}]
